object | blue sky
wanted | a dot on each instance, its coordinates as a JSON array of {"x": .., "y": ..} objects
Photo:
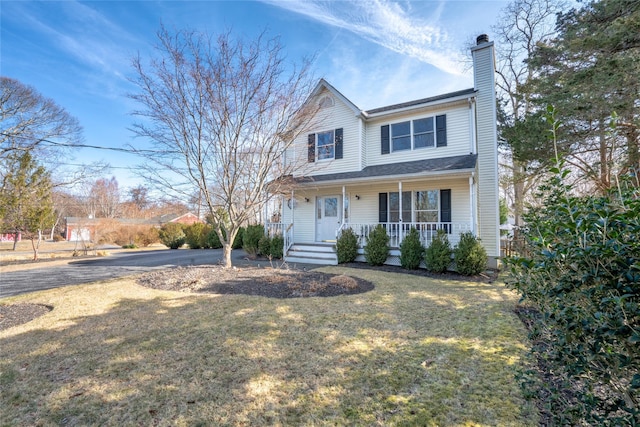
[{"x": 375, "y": 52}]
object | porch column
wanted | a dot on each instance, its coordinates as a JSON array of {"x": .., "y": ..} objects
[
  {"x": 400, "y": 200},
  {"x": 344, "y": 196}
]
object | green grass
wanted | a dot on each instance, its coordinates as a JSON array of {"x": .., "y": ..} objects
[{"x": 414, "y": 351}]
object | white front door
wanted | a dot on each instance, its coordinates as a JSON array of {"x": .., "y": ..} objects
[{"x": 328, "y": 217}]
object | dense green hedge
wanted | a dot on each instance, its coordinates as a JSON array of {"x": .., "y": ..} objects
[
  {"x": 469, "y": 255},
  {"x": 582, "y": 273}
]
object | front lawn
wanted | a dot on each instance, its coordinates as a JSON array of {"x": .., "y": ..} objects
[{"x": 413, "y": 351}]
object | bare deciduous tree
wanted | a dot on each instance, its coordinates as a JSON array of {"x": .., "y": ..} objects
[
  {"x": 29, "y": 121},
  {"x": 220, "y": 113}
]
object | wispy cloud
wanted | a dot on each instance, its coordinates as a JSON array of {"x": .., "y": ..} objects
[
  {"x": 388, "y": 24},
  {"x": 89, "y": 38}
]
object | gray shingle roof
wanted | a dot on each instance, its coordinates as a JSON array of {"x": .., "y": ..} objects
[
  {"x": 447, "y": 164},
  {"x": 421, "y": 101}
]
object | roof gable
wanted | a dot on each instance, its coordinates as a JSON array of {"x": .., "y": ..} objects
[{"x": 323, "y": 84}]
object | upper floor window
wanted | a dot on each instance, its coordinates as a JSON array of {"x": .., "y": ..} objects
[
  {"x": 412, "y": 134},
  {"x": 325, "y": 145},
  {"x": 401, "y": 136}
]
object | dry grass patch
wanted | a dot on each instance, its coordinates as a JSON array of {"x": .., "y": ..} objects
[{"x": 413, "y": 351}]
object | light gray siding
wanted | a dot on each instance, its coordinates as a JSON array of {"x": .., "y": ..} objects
[
  {"x": 457, "y": 136},
  {"x": 488, "y": 211}
]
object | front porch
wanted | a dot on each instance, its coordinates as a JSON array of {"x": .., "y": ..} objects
[{"x": 324, "y": 253}]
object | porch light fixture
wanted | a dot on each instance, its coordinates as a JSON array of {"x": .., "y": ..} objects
[
  {"x": 306, "y": 199},
  {"x": 357, "y": 197}
]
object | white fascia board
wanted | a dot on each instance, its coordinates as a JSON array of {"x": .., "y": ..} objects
[
  {"x": 418, "y": 107},
  {"x": 458, "y": 173}
]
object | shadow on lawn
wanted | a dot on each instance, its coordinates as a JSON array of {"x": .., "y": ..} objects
[{"x": 393, "y": 356}]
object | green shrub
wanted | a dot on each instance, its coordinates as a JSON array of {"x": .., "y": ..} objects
[
  {"x": 251, "y": 238},
  {"x": 237, "y": 241},
  {"x": 130, "y": 246},
  {"x": 277, "y": 246},
  {"x": 264, "y": 246},
  {"x": 347, "y": 246},
  {"x": 172, "y": 235},
  {"x": 469, "y": 255},
  {"x": 437, "y": 256},
  {"x": 411, "y": 250},
  {"x": 581, "y": 272},
  {"x": 197, "y": 235},
  {"x": 213, "y": 241},
  {"x": 376, "y": 250}
]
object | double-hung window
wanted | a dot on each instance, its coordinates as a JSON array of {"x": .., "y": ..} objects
[
  {"x": 325, "y": 145},
  {"x": 401, "y": 136},
  {"x": 423, "y": 133},
  {"x": 427, "y": 132}
]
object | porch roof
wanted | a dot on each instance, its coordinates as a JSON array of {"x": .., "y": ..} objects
[{"x": 416, "y": 168}]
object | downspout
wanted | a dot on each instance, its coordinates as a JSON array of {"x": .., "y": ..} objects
[
  {"x": 472, "y": 127},
  {"x": 472, "y": 200}
]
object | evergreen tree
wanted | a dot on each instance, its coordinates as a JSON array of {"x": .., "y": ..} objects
[{"x": 26, "y": 204}]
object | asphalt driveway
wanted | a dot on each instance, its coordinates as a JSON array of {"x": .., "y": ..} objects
[{"x": 111, "y": 267}]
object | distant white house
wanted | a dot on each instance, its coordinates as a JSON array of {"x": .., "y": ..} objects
[{"x": 430, "y": 163}]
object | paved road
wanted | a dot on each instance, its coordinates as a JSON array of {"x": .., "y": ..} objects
[{"x": 116, "y": 265}]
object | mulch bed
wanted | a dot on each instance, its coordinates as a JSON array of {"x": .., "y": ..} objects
[
  {"x": 267, "y": 282},
  {"x": 17, "y": 314}
]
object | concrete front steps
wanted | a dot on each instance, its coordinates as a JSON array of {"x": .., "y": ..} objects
[{"x": 312, "y": 253}]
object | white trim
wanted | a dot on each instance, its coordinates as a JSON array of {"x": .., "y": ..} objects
[
  {"x": 461, "y": 173},
  {"x": 417, "y": 107}
]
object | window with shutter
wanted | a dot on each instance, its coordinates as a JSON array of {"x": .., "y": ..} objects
[
  {"x": 441, "y": 130},
  {"x": 384, "y": 139},
  {"x": 338, "y": 139}
]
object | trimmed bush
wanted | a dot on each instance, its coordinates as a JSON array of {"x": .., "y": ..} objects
[
  {"x": 469, "y": 255},
  {"x": 347, "y": 246},
  {"x": 376, "y": 250},
  {"x": 251, "y": 238},
  {"x": 172, "y": 235},
  {"x": 277, "y": 246},
  {"x": 146, "y": 237},
  {"x": 411, "y": 250},
  {"x": 197, "y": 235},
  {"x": 264, "y": 246},
  {"x": 437, "y": 256}
]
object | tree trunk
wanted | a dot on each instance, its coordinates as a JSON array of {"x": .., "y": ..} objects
[
  {"x": 226, "y": 254},
  {"x": 15, "y": 240},
  {"x": 35, "y": 246},
  {"x": 518, "y": 192},
  {"x": 605, "y": 182}
]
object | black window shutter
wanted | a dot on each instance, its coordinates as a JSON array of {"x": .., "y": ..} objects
[
  {"x": 445, "y": 208},
  {"x": 384, "y": 139},
  {"x": 441, "y": 131},
  {"x": 338, "y": 141},
  {"x": 311, "y": 148},
  {"x": 382, "y": 207}
]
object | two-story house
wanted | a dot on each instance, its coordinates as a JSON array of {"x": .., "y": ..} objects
[{"x": 429, "y": 164}]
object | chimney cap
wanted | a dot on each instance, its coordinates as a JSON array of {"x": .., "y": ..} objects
[{"x": 482, "y": 38}]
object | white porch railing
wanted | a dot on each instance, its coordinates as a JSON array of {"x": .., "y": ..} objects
[
  {"x": 398, "y": 231},
  {"x": 288, "y": 238},
  {"x": 273, "y": 229}
]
